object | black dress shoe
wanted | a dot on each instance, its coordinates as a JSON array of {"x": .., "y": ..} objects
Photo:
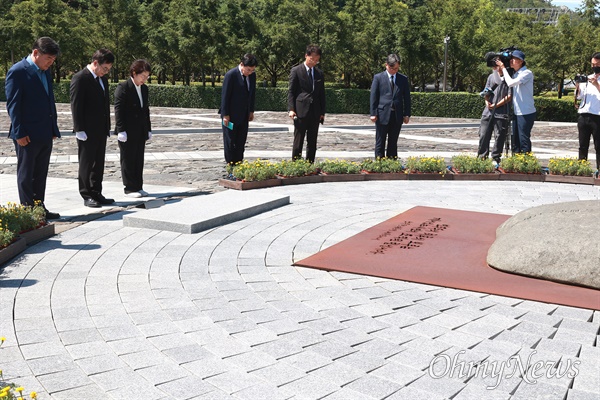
[
  {"x": 91, "y": 203},
  {"x": 52, "y": 215},
  {"x": 103, "y": 200}
]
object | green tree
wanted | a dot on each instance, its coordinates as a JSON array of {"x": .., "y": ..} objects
[
  {"x": 53, "y": 18},
  {"x": 116, "y": 25}
]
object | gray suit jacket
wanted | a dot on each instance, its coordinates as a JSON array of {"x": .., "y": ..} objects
[{"x": 384, "y": 97}]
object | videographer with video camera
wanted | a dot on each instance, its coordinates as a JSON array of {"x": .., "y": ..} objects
[
  {"x": 494, "y": 117},
  {"x": 587, "y": 91},
  {"x": 521, "y": 83}
]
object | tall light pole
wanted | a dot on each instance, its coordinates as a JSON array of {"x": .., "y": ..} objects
[{"x": 446, "y": 41}]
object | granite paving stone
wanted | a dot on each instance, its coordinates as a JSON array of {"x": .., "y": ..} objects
[
  {"x": 209, "y": 366},
  {"x": 540, "y": 391},
  {"x": 232, "y": 381},
  {"x": 263, "y": 391},
  {"x": 186, "y": 388},
  {"x": 311, "y": 387},
  {"x": 574, "y": 394},
  {"x": 162, "y": 373}
]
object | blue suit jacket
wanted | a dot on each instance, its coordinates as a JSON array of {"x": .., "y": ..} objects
[
  {"x": 236, "y": 100},
  {"x": 382, "y": 97},
  {"x": 32, "y": 111}
]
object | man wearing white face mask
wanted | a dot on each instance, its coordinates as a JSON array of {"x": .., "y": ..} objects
[{"x": 588, "y": 124}]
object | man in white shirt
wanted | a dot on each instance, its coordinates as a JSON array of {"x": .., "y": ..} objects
[
  {"x": 588, "y": 123},
  {"x": 523, "y": 107}
]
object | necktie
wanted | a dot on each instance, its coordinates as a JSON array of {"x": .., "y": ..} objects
[
  {"x": 392, "y": 82},
  {"x": 310, "y": 76},
  {"x": 245, "y": 82},
  {"x": 101, "y": 88}
]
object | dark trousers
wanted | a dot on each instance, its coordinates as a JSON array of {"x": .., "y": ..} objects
[
  {"x": 390, "y": 131},
  {"x": 132, "y": 163},
  {"x": 33, "y": 161},
  {"x": 589, "y": 125},
  {"x": 91, "y": 166},
  {"x": 309, "y": 127},
  {"x": 498, "y": 128},
  {"x": 234, "y": 142},
  {"x": 521, "y": 133}
]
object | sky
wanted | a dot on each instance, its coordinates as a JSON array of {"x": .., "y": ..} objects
[{"x": 572, "y": 4}]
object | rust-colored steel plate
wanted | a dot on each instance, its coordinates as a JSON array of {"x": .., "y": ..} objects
[{"x": 442, "y": 247}]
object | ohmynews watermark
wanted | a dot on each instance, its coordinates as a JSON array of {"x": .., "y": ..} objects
[{"x": 445, "y": 366}]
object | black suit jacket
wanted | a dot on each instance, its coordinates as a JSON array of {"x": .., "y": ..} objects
[
  {"x": 32, "y": 111},
  {"x": 130, "y": 115},
  {"x": 89, "y": 105},
  {"x": 383, "y": 99},
  {"x": 237, "y": 101},
  {"x": 301, "y": 95}
]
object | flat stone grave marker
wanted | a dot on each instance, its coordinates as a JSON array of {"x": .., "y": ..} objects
[{"x": 199, "y": 213}]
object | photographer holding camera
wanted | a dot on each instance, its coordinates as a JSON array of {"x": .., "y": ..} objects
[
  {"x": 494, "y": 117},
  {"x": 524, "y": 110},
  {"x": 587, "y": 91}
]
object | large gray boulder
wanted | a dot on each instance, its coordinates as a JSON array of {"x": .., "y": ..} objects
[{"x": 558, "y": 242}]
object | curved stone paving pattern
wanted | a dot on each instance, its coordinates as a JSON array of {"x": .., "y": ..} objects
[{"x": 104, "y": 311}]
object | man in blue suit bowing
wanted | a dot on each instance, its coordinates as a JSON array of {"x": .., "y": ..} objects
[
  {"x": 390, "y": 107},
  {"x": 32, "y": 110},
  {"x": 237, "y": 107}
]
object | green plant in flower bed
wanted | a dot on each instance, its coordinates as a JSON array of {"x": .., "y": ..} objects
[
  {"x": 295, "y": 168},
  {"x": 258, "y": 170},
  {"x": 570, "y": 166},
  {"x": 426, "y": 164},
  {"x": 382, "y": 165},
  {"x": 6, "y": 236},
  {"x": 524, "y": 163},
  {"x": 17, "y": 218},
  {"x": 469, "y": 164},
  {"x": 339, "y": 167}
]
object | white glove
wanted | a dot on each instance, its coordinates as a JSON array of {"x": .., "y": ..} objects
[
  {"x": 81, "y": 136},
  {"x": 149, "y": 135},
  {"x": 122, "y": 137}
]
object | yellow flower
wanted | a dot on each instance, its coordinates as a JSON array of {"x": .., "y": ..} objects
[
  {"x": 33, "y": 395},
  {"x": 19, "y": 389}
]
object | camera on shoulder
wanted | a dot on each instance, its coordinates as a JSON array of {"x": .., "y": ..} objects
[
  {"x": 503, "y": 55},
  {"x": 580, "y": 78}
]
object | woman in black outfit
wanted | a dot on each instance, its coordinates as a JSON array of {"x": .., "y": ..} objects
[{"x": 133, "y": 128}]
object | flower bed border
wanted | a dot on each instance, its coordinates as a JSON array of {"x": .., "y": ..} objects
[
  {"x": 581, "y": 180},
  {"x": 504, "y": 176},
  {"x": 37, "y": 235},
  {"x": 12, "y": 250}
]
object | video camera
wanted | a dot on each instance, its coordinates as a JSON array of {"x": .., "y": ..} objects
[
  {"x": 580, "y": 78},
  {"x": 503, "y": 55},
  {"x": 488, "y": 92}
]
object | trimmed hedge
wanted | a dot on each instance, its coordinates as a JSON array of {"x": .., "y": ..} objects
[{"x": 339, "y": 101}]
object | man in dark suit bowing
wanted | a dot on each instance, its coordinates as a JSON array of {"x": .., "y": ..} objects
[
  {"x": 306, "y": 102},
  {"x": 237, "y": 107},
  {"x": 91, "y": 123},
  {"x": 32, "y": 111},
  {"x": 390, "y": 107}
]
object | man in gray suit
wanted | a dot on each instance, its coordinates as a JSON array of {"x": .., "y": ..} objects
[{"x": 390, "y": 107}]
